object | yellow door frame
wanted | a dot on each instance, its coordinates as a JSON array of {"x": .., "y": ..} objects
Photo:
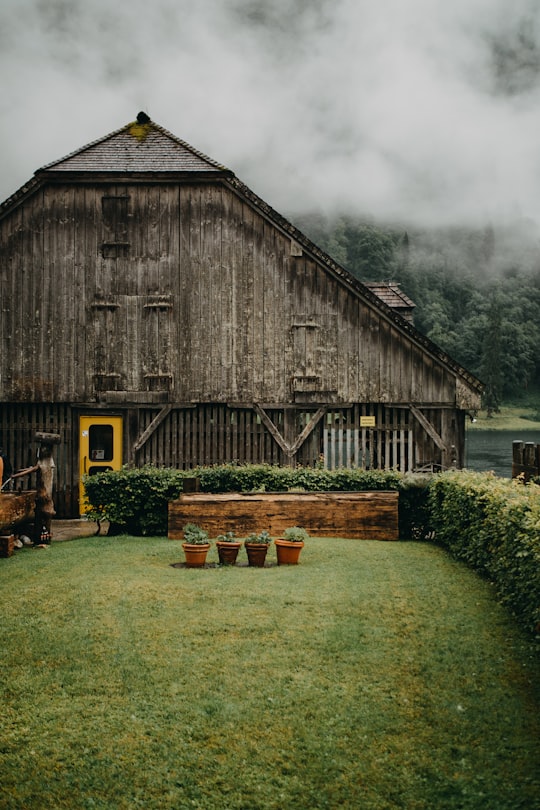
[{"x": 100, "y": 448}]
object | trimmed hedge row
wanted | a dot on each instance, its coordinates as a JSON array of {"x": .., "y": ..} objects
[
  {"x": 136, "y": 499},
  {"x": 492, "y": 524}
]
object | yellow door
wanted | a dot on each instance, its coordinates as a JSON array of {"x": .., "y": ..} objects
[{"x": 100, "y": 448}]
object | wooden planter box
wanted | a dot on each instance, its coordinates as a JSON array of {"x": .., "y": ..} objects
[
  {"x": 6, "y": 545},
  {"x": 16, "y": 508},
  {"x": 363, "y": 515}
]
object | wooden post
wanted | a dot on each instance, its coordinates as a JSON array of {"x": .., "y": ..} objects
[
  {"x": 44, "y": 511},
  {"x": 517, "y": 458},
  {"x": 191, "y": 484},
  {"x": 525, "y": 460}
]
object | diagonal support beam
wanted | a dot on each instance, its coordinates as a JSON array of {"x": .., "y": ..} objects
[
  {"x": 309, "y": 428},
  {"x": 154, "y": 424},
  {"x": 289, "y": 449},
  {"x": 265, "y": 419},
  {"x": 428, "y": 427}
]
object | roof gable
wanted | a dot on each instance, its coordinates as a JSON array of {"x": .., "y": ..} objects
[{"x": 138, "y": 147}]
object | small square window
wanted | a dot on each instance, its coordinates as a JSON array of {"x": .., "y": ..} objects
[{"x": 114, "y": 250}]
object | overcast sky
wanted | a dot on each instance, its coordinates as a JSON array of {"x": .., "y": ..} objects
[{"x": 418, "y": 111}]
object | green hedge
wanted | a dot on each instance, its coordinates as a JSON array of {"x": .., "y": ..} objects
[
  {"x": 493, "y": 524},
  {"x": 135, "y": 500}
]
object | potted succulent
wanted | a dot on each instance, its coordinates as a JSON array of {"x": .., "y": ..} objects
[
  {"x": 228, "y": 548},
  {"x": 256, "y": 546},
  {"x": 289, "y": 546},
  {"x": 196, "y": 545}
]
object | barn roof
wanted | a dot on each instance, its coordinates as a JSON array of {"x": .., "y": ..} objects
[
  {"x": 391, "y": 293},
  {"x": 139, "y": 147}
]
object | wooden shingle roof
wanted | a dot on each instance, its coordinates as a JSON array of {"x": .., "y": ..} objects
[
  {"x": 139, "y": 147},
  {"x": 391, "y": 294}
]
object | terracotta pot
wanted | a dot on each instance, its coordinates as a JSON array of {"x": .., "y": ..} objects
[
  {"x": 256, "y": 553},
  {"x": 195, "y": 554},
  {"x": 288, "y": 552},
  {"x": 227, "y": 552}
]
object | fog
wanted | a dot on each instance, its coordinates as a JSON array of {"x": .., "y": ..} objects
[{"x": 423, "y": 112}]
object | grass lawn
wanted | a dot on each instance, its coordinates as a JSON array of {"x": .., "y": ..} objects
[
  {"x": 510, "y": 417},
  {"x": 383, "y": 677}
]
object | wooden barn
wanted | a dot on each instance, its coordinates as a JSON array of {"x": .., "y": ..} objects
[{"x": 156, "y": 310}]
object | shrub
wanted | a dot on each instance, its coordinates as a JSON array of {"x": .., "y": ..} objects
[
  {"x": 134, "y": 499},
  {"x": 414, "y": 512},
  {"x": 263, "y": 538},
  {"x": 195, "y": 535},
  {"x": 228, "y": 537},
  {"x": 270, "y": 478},
  {"x": 295, "y": 534},
  {"x": 493, "y": 524}
]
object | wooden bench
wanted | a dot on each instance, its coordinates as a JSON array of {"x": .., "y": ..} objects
[{"x": 363, "y": 515}]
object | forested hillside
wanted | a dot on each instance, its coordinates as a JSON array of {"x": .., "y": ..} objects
[{"x": 477, "y": 292}]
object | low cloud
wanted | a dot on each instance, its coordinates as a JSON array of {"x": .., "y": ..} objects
[{"x": 422, "y": 112}]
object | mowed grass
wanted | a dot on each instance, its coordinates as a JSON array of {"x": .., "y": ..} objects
[
  {"x": 509, "y": 417},
  {"x": 373, "y": 675}
]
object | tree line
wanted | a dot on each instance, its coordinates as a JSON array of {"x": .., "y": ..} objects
[{"x": 477, "y": 291}]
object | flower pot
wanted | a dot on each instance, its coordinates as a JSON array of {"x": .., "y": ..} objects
[
  {"x": 195, "y": 554},
  {"x": 227, "y": 552},
  {"x": 288, "y": 552},
  {"x": 256, "y": 553}
]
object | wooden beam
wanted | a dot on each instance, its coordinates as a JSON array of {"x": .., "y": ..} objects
[
  {"x": 290, "y": 449},
  {"x": 428, "y": 427},
  {"x": 156, "y": 421},
  {"x": 311, "y": 425},
  {"x": 285, "y": 446},
  {"x": 363, "y": 515}
]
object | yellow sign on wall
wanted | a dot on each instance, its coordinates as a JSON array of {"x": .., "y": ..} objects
[{"x": 367, "y": 421}]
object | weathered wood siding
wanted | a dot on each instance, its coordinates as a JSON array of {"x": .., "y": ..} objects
[
  {"x": 193, "y": 297},
  {"x": 187, "y": 293}
]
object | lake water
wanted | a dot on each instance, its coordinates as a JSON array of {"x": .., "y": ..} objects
[{"x": 492, "y": 449}]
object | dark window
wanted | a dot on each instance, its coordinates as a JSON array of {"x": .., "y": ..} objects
[
  {"x": 115, "y": 214},
  {"x": 101, "y": 442}
]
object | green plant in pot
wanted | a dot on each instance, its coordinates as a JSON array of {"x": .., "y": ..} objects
[
  {"x": 228, "y": 547},
  {"x": 289, "y": 546},
  {"x": 256, "y": 546},
  {"x": 196, "y": 545}
]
